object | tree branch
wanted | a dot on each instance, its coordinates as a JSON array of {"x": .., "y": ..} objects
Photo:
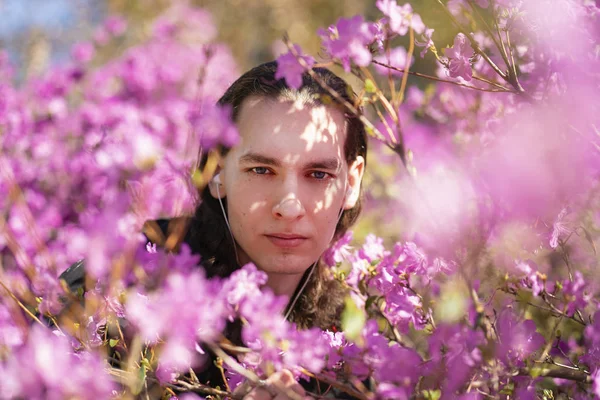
[
  {"x": 435, "y": 78},
  {"x": 553, "y": 371}
]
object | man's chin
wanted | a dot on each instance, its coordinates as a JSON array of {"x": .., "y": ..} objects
[{"x": 286, "y": 265}]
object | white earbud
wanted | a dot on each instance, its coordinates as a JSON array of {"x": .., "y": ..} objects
[
  {"x": 348, "y": 192},
  {"x": 217, "y": 179}
]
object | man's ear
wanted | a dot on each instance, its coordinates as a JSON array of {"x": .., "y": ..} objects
[
  {"x": 355, "y": 175},
  {"x": 216, "y": 187}
]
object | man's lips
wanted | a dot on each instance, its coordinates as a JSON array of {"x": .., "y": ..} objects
[{"x": 286, "y": 240}]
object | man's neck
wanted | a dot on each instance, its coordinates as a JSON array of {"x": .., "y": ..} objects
[
  {"x": 283, "y": 284},
  {"x": 280, "y": 283}
]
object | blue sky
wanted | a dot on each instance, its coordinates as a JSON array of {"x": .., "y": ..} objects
[
  {"x": 20, "y": 15},
  {"x": 59, "y": 20}
]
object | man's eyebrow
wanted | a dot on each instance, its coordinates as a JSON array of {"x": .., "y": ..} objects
[
  {"x": 332, "y": 164},
  {"x": 256, "y": 158}
]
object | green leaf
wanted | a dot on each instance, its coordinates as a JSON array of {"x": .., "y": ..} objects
[
  {"x": 374, "y": 263},
  {"x": 145, "y": 363},
  {"x": 139, "y": 383},
  {"x": 370, "y": 301},
  {"x": 353, "y": 320},
  {"x": 370, "y": 86},
  {"x": 432, "y": 394},
  {"x": 113, "y": 342},
  {"x": 508, "y": 389}
]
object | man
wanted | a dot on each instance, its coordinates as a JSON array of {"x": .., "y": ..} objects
[{"x": 281, "y": 197}]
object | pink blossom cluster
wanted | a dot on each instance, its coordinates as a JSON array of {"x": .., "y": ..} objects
[
  {"x": 45, "y": 367},
  {"x": 486, "y": 287}
]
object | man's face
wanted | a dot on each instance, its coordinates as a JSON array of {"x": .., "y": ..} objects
[{"x": 285, "y": 183}]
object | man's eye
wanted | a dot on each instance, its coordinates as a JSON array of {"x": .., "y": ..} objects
[
  {"x": 320, "y": 175},
  {"x": 260, "y": 170}
]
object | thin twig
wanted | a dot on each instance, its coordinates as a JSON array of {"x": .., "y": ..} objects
[
  {"x": 491, "y": 33},
  {"x": 350, "y": 107},
  {"x": 11, "y": 294},
  {"x": 234, "y": 349},
  {"x": 567, "y": 260},
  {"x": 485, "y": 394},
  {"x": 411, "y": 50},
  {"x": 391, "y": 80},
  {"x": 513, "y": 65},
  {"x": 181, "y": 386},
  {"x": 435, "y": 78},
  {"x": 509, "y": 76},
  {"x": 15, "y": 195},
  {"x": 552, "y": 309},
  {"x": 219, "y": 365},
  {"x": 20, "y": 255},
  {"x": 478, "y": 78},
  {"x": 474, "y": 43},
  {"x": 132, "y": 361},
  {"x": 124, "y": 343},
  {"x": 391, "y": 109},
  {"x": 335, "y": 384},
  {"x": 384, "y": 120},
  {"x": 249, "y": 375},
  {"x": 551, "y": 338},
  {"x": 502, "y": 46},
  {"x": 234, "y": 364}
]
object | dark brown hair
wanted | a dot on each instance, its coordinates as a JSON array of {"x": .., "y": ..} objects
[{"x": 322, "y": 299}]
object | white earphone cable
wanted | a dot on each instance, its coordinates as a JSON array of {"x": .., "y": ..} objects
[
  {"x": 293, "y": 303},
  {"x": 312, "y": 268},
  {"x": 227, "y": 223}
]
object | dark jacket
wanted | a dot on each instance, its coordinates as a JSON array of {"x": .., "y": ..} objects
[{"x": 75, "y": 278}]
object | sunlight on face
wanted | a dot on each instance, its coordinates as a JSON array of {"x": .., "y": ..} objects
[
  {"x": 323, "y": 128},
  {"x": 285, "y": 183}
]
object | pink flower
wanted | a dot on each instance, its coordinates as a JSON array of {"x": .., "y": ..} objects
[
  {"x": 400, "y": 18},
  {"x": 213, "y": 124},
  {"x": 559, "y": 228},
  {"x": 596, "y": 374},
  {"x": 372, "y": 249},
  {"x": 83, "y": 52},
  {"x": 115, "y": 25},
  {"x": 459, "y": 58},
  {"x": 38, "y": 369},
  {"x": 101, "y": 37},
  {"x": 339, "y": 251},
  {"x": 532, "y": 278},
  {"x": 396, "y": 58},
  {"x": 576, "y": 293},
  {"x": 517, "y": 339},
  {"x": 243, "y": 284},
  {"x": 426, "y": 41},
  {"x": 290, "y": 69},
  {"x": 348, "y": 41}
]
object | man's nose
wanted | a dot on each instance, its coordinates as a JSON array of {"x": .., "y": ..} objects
[{"x": 290, "y": 207}]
